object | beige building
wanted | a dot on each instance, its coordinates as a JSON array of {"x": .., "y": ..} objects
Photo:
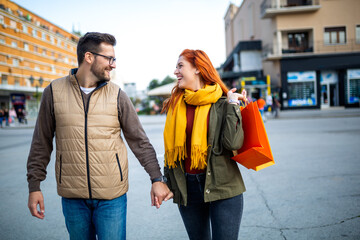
[
  {"x": 33, "y": 52},
  {"x": 309, "y": 48}
]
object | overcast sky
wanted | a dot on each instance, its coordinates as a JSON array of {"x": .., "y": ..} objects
[{"x": 150, "y": 34}]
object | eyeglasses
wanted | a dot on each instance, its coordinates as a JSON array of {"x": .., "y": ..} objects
[{"x": 111, "y": 59}]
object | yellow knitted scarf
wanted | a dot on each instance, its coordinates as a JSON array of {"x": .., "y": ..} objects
[{"x": 175, "y": 127}]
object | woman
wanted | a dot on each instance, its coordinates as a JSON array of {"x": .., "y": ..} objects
[{"x": 202, "y": 128}]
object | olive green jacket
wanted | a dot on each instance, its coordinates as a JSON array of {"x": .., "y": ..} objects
[{"x": 223, "y": 178}]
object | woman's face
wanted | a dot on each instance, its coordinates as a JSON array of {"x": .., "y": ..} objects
[{"x": 187, "y": 75}]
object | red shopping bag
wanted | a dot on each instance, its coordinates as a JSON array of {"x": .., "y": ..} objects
[{"x": 256, "y": 152}]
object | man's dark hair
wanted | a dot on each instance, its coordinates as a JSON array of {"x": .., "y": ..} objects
[{"x": 91, "y": 41}]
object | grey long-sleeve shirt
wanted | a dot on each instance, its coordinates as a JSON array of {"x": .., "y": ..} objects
[{"x": 42, "y": 142}]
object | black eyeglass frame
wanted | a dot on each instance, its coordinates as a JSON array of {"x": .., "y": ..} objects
[{"x": 111, "y": 59}]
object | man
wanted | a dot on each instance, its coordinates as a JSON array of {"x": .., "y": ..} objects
[{"x": 87, "y": 112}]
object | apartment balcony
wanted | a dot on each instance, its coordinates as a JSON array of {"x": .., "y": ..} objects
[
  {"x": 274, "y": 52},
  {"x": 272, "y": 8}
]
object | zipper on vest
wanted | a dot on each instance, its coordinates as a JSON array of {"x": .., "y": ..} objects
[
  {"x": 86, "y": 133},
  {"x": 60, "y": 169},
  {"x": 121, "y": 175}
]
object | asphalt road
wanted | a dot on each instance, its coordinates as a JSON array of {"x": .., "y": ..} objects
[{"x": 312, "y": 192}]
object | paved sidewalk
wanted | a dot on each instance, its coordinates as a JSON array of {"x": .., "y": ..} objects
[{"x": 289, "y": 114}]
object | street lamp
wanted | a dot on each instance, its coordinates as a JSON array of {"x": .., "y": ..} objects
[{"x": 32, "y": 81}]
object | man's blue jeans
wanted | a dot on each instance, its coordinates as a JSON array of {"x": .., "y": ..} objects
[
  {"x": 85, "y": 219},
  {"x": 224, "y": 215}
]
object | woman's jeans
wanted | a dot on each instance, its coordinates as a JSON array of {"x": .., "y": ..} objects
[
  {"x": 224, "y": 215},
  {"x": 85, "y": 219}
]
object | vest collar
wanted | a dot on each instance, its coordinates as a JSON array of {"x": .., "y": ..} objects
[{"x": 75, "y": 82}]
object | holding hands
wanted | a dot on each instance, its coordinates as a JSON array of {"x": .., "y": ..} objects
[
  {"x": 235, "y": 98},
  {"x": 159, "y": 193}
]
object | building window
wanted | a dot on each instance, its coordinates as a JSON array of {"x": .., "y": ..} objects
[
  {"x": 35, "y": 49},
  {"x": 301, "y": 88},
  {"x": 2, "y": 40},
  {"x": 16, "y": 62},
  {"x": 17, "y": 81},
  {"x": 335, "y": 35},
  {"x": 44, "y": 52},
  {"x": 12, "y": 24},
  {"x": 298, "y": 42},
  {"x": 43, "y": 35},
  {"x": 4, "y": 79},
  {"x": 2, "y": 20},
  {"x": 2, "y": 59},
  {"x": 52, "y": 39},
  {"x": 14, "y": 44},
  {"x": 25, "y": 29},
  {"x": 34, "y": 32},
  {"x": 26, "y": 47},
  {"x": 357, "y": 33}
]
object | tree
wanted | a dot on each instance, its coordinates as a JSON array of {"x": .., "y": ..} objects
[
  {"x": 153, "y": 84},
  {"x": 167, "y": 80}
]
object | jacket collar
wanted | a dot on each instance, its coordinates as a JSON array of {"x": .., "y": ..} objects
[{"x": 75, "y": 82}]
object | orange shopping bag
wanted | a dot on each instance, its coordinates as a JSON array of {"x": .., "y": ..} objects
[{"x": 256, "y": 152}]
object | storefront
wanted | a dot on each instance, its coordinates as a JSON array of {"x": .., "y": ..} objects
[
  {"x": 301, "y": 89},
  {"x": 353, "y": 86},
  {"x": 320, "y": 81}
]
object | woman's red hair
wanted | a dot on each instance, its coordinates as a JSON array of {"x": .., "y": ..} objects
[{"x": 209, "y": 75}]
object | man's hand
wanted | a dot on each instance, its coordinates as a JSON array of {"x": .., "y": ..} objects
[
  {"x": 36, "y": 198},
  {"x": 159, "y": 193}
]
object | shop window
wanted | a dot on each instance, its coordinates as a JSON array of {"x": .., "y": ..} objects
[
  {"x": 335, "y": 35},
  {"x": 353, "y": 86},
  {"x": 301, "y": 88},
  {"x": 358, "y": 34},
  {"x": 4, "y": 80}
]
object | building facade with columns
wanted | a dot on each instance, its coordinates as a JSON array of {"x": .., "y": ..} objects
[
  {"x": 33, "y": 52},
  {"x": 310, "y": 49}
]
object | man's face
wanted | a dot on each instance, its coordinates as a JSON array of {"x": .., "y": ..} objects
[{"x": 101, "y": 67}]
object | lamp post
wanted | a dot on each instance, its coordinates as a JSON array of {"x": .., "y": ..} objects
[{"x": 40, "y": 82}]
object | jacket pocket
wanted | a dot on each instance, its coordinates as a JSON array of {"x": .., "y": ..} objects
[
  {"x": 60, "y": 169},
  {"x": 117, "y": 159}
]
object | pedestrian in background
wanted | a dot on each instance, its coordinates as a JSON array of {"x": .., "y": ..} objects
[
  {"x": 20, "y": 115},
  {"x": 261, "y": 104},
  {"x": 206, "y": 183},
  {"x": 12, "y": 115},
  {"x": 87, "y": 111},
  {"x": 276, "y": 106},
  {"x": 6, "y": 113},
  {"x": 2, "y": 116}
]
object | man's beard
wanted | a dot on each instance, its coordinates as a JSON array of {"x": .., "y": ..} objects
[{"x": 98, "y": 72}]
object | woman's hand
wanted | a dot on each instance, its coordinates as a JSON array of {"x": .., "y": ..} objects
[{"x": 234, "y": 97}]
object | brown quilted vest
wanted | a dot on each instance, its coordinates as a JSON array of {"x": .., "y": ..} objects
[{"x": 91, "y": 157}]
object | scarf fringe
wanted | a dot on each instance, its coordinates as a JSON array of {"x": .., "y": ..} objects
[
  {"x": 198, "y": 157},
  {"x": 174, "y": 155}
]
